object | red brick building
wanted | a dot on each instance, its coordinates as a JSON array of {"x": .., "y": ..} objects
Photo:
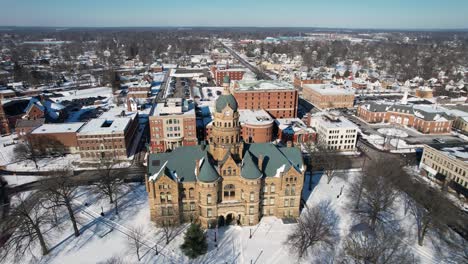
[
  {"x": 109, "y": 136},
  {"x": 235, "y": 74},
  {"x": 298, "y": 82},
  {"x": 425, "y": 119},
  {"x": 173, "y": 124},
  {"x": 294, "y": 130},
  {"x": 60, "y": 137},
  {"x": 279, "y": 99},
  {"x": 328, "y": 96}
]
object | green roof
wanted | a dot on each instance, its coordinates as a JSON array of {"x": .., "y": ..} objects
[
  {"x": 227, "y": 79},
  {"x": 181, "y": 161},
  {"x": 180, "y": 164},
  {"x": 274, "y": 157},
  {"x": 249, "y": 168},
  {"x": 224, "y": 100},
  {"x": 207, "y": 171}
]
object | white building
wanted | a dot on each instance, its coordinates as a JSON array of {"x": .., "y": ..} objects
[{"x": 335, "y": 132}]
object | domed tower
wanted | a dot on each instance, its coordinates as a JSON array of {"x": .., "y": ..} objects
[{"x": 225, "y": 135}]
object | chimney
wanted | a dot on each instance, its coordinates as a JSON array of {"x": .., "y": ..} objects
[
  {"x": 260, "y": 162},
  {"x": 197, "y": 167},
  {"x": 289, "y": 144}
]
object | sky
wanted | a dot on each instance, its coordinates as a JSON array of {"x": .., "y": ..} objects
[{"x": 379, "y": 14}]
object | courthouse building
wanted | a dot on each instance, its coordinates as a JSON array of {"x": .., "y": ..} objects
[{"x": 226, "y": 181}]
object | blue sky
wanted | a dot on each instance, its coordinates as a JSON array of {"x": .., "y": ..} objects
[{"x": 404, "y": 14}]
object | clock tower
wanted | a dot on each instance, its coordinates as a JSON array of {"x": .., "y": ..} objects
[{"x": 225, "y": 135}]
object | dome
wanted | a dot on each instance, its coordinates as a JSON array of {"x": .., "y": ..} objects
[{"x": 224, "y": 100}]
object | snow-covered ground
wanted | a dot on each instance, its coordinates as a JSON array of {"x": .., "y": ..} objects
[
  {"x": 393, "y": 132},
  {"x": 13, "y": 180},
  {"x": 106, "y": 237}
]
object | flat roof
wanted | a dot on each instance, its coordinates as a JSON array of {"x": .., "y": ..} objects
[
  {"x": 458, "y": 151},
  {"x": 58, "y": 128},
  {"x": 112, "y": 121},
  {"x": 327, "y": 120},
  {"x": 255, "y": 117},
  {"x": 328, "y": 89},
  {"x": 253, "y": 85},
  {"x": 174, "y": 106}
]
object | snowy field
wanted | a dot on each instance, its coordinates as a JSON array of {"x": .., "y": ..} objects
[{"x": 105, "y": 237}]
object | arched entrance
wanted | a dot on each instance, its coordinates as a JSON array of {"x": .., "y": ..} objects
[
  {"x": 229, "y": 219},
  {"x": 221, "y": 221}
]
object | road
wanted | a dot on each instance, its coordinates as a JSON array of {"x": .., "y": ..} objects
[{"x": 260, "y": 74}]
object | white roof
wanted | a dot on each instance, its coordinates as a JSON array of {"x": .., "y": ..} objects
[
  {"x": 246, "y": 85},
  {"x": 108, "y": 123},
  {"x": 327, "y": 89},
  {"x": 255, "y": 117},
  {"x": 58, "y": 128}
]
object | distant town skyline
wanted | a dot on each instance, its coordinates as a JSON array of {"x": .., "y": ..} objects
[{"x": 397, "y": 14}]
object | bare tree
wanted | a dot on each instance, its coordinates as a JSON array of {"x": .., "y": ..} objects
[
  {"x": 109, "y": 182},
  {"x": 24, "y": 225},
  {"x": 376, "y": 193},
  {"x": 169, "y": 231},
  {"x": 27, "y": 151},
  {"x": 317, "y": 226},
  {"x": 375, "y": 245},
  {"x": 60, "y": 190},
  {"x": 136, "y": 237},
  {"x": 428, "y": 215},
  {"x": 114, "y": 260}
]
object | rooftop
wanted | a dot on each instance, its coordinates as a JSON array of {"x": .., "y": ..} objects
[
  {"x": 248, "y": 85},
  {"x": 58, "y": 128},
  {"x": 328, "y": 89},
  {"x": 255, "y": 117},
  {"x": 108, "y": 123},
  {"x": 331, "y": 120},
  {"x": 174, "y": 106},
  {"x": 457, "y": 151}
]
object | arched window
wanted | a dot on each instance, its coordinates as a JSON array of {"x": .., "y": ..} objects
[
  {"x": 229, "y": 171},
  {"x": 163, "y": 197},
  {"x": 184, "y": 193},
  {"x": 191, "y": 193},
  {"x": 272, "y": 188},
  {"x": 169, "y": 197},
  {"x": 293, "y": 189},
  {"x": 229, "y": 191},
  {"x": 286, "y": 190},
  {"x": 208, "y": 199}
]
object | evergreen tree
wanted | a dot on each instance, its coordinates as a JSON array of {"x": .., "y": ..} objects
[{"x": 194, "y": 242}]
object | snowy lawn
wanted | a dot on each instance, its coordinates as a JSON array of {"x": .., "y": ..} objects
[{"x": 106, "y": 237}]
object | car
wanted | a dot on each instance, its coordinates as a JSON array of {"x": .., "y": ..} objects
[{"x": 438, "y": 140}]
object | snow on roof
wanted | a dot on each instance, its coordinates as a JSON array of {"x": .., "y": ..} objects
[
  {"x": 109, "y": 122},
  {"x": 58, "y": 128},
  {"x": 457, "y": 152},
  {"x": 328, "y": 89},
  {"x": 246, "y": 85},
  {"x": 254, "y": 117},
  {"x": 174, "y": 106},
  {"x": 328, "y": 121},
  {"x": 85, "y": 93}
]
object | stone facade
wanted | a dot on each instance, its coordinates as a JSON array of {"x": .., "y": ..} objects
[{"x": 226, "y": 182}]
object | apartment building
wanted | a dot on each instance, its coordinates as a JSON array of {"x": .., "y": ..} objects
[
  {"x": 335, "y": 132},
  {"x": 448, "y": 164},
  {"x": 279, "y": 99},
  {"x": 326, "y": 96},
  {"x": 173, "y": 124}
]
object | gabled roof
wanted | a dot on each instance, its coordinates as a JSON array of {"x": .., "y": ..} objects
[
  {"x": 249, "y": 168},
  {"x": 275, "y": 158}
]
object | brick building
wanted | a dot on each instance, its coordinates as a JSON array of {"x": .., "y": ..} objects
[
  {"x": 294, "y": 130},
  {"x": 448, "y": 164},
  {"x": 426, "y": 119},
  {"x": 58, "y": 137},
  {"x": 4, "y": 126},
  {"x": 109, "y": 136},
  {"x": 25, "y": 126},
  {"x": 226, "y": 182},
  {"x": 139, "y": 91},
  {"x": 235, "y": 74},
  {"x": 298, "y": 82},
  {"x": 326, "y": 96},
  {"x": 173, "y": 124},
  {"x": 279, "y": 99}
]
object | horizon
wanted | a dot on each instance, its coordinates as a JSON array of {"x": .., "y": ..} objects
[{"x": 341, "y": 14}]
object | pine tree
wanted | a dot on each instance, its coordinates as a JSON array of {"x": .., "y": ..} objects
[{"x": 194, "y": 242}]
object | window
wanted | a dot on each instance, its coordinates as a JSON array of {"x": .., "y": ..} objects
[
  {"x": 192, "y": 206},
  {"x": 272, "y": 188},
  {"x": 242, "y": 195},
  {"x": 163, "y": 197},
  {"x": 208, "y": 199},
  {"x": 209, "y": 212},
  {"x": 169, "y": 197},
  {"x": 252, "y": 196},
  {"x": 265, "y": 201},
  {"x": 272, "y": 200},
  {"x": 265, "y": 188},
  {"x": 286, "y": 202},
  {"x": 229, "y": 191},
  {"x": 293, "y": 189},
  {"x": 251, "y": 209},
  {"x": 286, "y": 191},
  {"x": 291, "y": 203}
]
